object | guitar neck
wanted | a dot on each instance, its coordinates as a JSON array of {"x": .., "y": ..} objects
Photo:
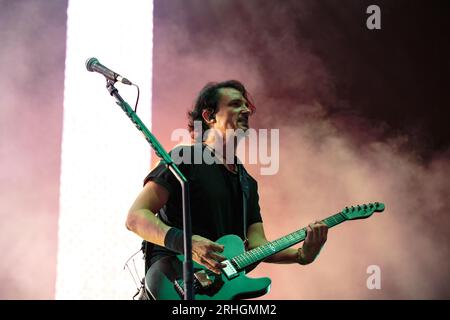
[{"x": 262, "y": 252}]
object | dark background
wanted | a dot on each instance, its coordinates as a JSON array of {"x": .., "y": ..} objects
[{"x": 392, "y": 82}]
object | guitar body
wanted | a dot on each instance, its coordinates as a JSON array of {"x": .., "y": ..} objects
[{"x": 166, "y": 275}]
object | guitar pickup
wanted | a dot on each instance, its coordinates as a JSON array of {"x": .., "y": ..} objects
[{"x": 229, "y": 271}]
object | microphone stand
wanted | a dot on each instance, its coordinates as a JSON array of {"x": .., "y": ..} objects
[{"x": 160, "y": 152}]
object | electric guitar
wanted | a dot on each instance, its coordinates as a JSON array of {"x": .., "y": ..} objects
[{"x": 164, "y": 279}]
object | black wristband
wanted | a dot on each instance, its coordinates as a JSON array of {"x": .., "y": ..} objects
[{"x": 174, "y": 240}]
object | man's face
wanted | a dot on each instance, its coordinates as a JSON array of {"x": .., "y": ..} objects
[{"x": 233, "y": 111}]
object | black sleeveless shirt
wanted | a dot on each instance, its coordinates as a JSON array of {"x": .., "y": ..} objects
[{"x": 215, "y": 198}]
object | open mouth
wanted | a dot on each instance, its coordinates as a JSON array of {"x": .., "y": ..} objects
[{"x": 243, "y": 119}]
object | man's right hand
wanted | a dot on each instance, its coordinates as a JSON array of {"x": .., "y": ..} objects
[{"x": 205, "y": 252}]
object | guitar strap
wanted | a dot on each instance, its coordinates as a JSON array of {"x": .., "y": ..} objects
[{"x": 243, "y": 179}]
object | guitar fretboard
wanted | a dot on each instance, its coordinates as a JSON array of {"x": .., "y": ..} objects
[{"x": 262, "y": 252}]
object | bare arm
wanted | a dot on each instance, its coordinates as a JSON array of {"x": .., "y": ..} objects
[
  {"x": 141, "y": 217},
  {"x": 141, "y": 220}
]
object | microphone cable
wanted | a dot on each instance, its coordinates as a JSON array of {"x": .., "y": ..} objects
[{"x": 137, "y": 99}]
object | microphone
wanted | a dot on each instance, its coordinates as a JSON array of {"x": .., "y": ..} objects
[{"x": 93, "y": 65}]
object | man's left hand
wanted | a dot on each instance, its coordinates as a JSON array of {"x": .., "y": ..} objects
[{"x": 316, "y": 236}]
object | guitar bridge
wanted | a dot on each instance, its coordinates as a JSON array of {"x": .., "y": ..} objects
[
  {"x": 203, "y": 279},
  {"x": 205, "y": 282}
]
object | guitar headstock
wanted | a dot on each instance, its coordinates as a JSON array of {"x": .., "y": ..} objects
[{"x": 362, "y": 211}]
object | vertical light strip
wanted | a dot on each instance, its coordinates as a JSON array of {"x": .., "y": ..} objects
[{"x": 104, "y": 157}]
